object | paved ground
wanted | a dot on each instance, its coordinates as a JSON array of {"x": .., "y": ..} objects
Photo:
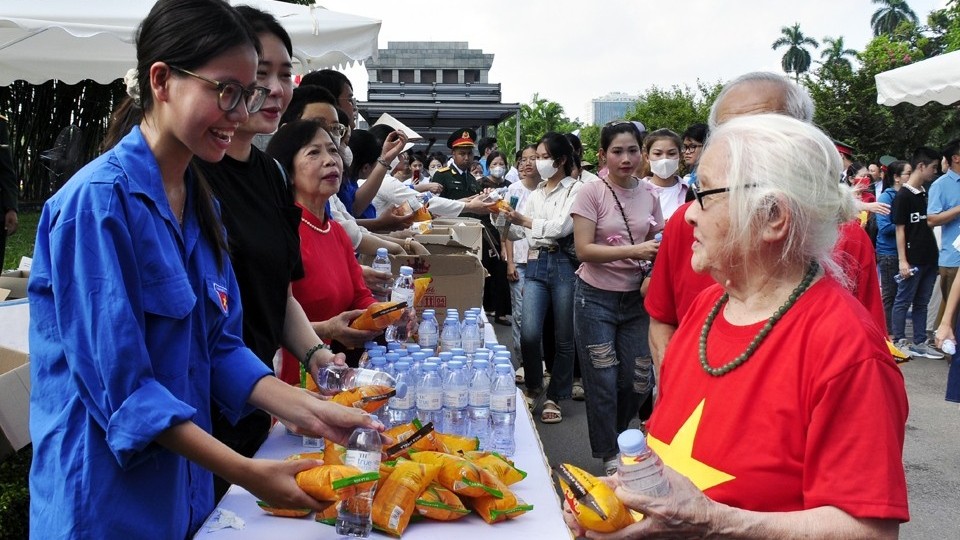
[{"x": 931, "y": 449}]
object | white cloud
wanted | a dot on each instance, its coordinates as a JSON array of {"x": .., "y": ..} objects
[{"x": 573, "y": 51}]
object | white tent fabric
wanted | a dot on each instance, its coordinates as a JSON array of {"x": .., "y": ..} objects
[
  {"x": 71, "y": 41},
  {"x": 934, "y": 79}
]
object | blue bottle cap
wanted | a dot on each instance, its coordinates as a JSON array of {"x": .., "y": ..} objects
[
  {"x": 406, "y": 271},
  {"x": 480, "y": 364},
  {"x": 446, "y": 356},
  {"x": 382, "y": 252},
  {"x": 455, "y": 364},
  {"x": 402, "y": 366},
  {"x": 429, "y": 366},
  {"x": 392, "y": 357},
  {"x": 504, "y": 368},
  {"x": 412, "y": 348},
  {"x": 401, "y": 390},
  {"x": 632, "y": 442}
]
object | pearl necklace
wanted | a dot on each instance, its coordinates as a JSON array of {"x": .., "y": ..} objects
[
  {"x": 745, "y": 355},
  {"x": 314, "y": 227}
]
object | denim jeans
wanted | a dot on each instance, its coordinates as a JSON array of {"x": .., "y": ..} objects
[
  {"x": 548, "y": 282},
  {"x": 953, "y": 378},
  {"x": 516, "y": 304},
  {"x": 914, "y": 291},
  {"x": 615, "y": 361},
  {"x": 889, "y": 266}
]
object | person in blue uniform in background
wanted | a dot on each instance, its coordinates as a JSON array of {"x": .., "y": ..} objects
[{"x": 135, "y": 315}]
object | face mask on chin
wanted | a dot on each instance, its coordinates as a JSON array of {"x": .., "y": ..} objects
[
  {"x": 665, "y": 168},
  {"x": 546, "y": 169},
  {"x": 347, "y": 155}
]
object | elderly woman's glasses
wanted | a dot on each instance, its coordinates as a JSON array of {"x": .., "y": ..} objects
[
  {"x": 231, "y": 93},
  {"x": 699, "y": 195}
]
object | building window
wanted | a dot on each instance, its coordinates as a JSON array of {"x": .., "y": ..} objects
[
  {"x": 405, "y": 76},
  {"x": 471, "y": 75},
  {"x": 385, "y": 75},
  {"x": 450, "y": 76},
  {"x": 428, "y": 76}
]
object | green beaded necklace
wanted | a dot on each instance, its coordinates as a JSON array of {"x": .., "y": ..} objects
[{"x": 745, "y": 355}]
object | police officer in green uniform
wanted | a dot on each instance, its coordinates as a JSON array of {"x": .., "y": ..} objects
[
  {"x": 9, "y": 188},
  {"x": 456, "y": 179}
]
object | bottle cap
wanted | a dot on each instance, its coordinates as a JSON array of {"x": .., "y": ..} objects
[
  {"x": 458, "y": 351},
  {"x": 446, "y": 356},
  {"x": 459, "y": 358},
  {"x": 401, "y": 389},
  {"x": 402, "y": 365},
  {"x": 392, "y": 357},
  {"x": 412, "y": 348},
  {"x": 480, "y": 363},
  {"x": 381, "y": 252},
  {"x": 419, "y": 356},
  {"x": 632, "y": 442},
  {"x": 392, "y": 346},
  {"x": 455, "y": 364},
  {"x": 504, "y": 368},
  {"x": 429, "y": 366},
  {"x": 369, "y": 345},
  {"x": 405, "y": 270}
]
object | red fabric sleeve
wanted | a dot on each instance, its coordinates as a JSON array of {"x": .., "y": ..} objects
[
  {"x": 855, "y": 253},
  {"x": 362, "y": 297}
]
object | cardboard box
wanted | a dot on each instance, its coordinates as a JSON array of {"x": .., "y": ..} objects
[
  {"x": 457, "y": 279},
  {"x": 16, "y": 282},
  {"x": 14, "y": 401},
  {"x": 445, "y": 239}
]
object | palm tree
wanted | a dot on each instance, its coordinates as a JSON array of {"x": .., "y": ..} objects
[
  {"x": 797, "y": 58},
  {"x": 835, "y": 54},
  {"x": 891, "y": 13}
]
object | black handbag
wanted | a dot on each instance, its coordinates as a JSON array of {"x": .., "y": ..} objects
[{"x": 566, "y": 245}]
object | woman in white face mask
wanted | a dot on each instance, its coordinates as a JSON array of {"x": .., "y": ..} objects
[
  {"x": 497, "y": 163},
  {"x": 661, "y": 150}
]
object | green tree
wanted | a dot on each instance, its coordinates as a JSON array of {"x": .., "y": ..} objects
[
  {"x": 797, "y": 59},
  {"x": 536, "y": 118},
  {"x": 890, "y": 15},
  {"x": 944, "y": 25},
  {"x": 675, "y": 107},
  {"x": 836, "y": 53}
]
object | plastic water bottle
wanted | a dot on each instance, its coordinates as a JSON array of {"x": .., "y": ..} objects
[
  {"x": 381, "y": 263},
  {"x": 430, "y": 396},
  {"x": 412, "y": 348},
  {"x": 428, "y": 334},
  {"x": 377, "y": 363},
  {"x": 402, "y": 292},
  {"x": 478, "y": 403},
  {"x": 445, "y": 358},
  {"x": 949, "y": 347},
  {"x": 363, "y": 452},
  {"x": 333, "y": 379},
  {"x": 471, "y": 338},
  {"x": 391, "y": 359},
  {"x": 450, "y": 335},
  {"x": 503, "y": 411},
  {"x": 640, "y": 468},
  {"x": 403, "y": 410},
  {"x": 898, "y": 277},
  {"x": 455, "y": 398}
]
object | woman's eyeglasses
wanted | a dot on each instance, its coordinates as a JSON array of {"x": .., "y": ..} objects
[
  {"x": 232, "y": 92},
  {"x": 691, "y": 148}
]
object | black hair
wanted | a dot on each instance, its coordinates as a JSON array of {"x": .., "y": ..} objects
[
  {"x": 439, "y": 156},
  {"x": 380, "y": 132},
  {"x": 526, "y": 147},
  {"x": 927, "y": 155},
  {"x": 559, "y": 149},
  {"x": 575, "y": 142},
  {"x": 484, "y": 143},
  {"x": 343, "y": 117},
  {"x": 265, "y": 23},
  {"x": 951, "y": 149},
  {"x": 419, "y": 156},
  {"x": 497, "y": 154},
  {"x": 303, "y": 96},
  {"x": 894, "y": 170},
  {"x": 697, "y": 132},
  {"x": 289, "y": 139},
  {"x": 333, "y": 81},
  {"x": 610, "y": 132},
  {"x": 365, "y": 149},
  {"x": 854, "y": 168},
  {"x": 661, "y": 135}
]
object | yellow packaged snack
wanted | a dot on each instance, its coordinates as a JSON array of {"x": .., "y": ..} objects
[
  {"x": 305, "y": 455},
  {"x": 440, "y": 504},
  {"x": 328, "y": 515},
  {"x": 420, "y": 286},
  {"x": 332, "y": 482},
  {"x": 284, "y": 512},
  {"x": 333, "y": 453},
  {"x": 412, "y": 436},
  {"x": 394, "y": 504},
  {"x": 500, "y": 467},
  {"x": 370, "y": 397},
  {"x": 458, "y": 443},
  {"x": 386, "y": 468},
  {"x": 379, "y": 316},
  {"x": 493, "y": 509},
  {"x": 461, "y": 476},
  {"x": 592, "y": 502}
]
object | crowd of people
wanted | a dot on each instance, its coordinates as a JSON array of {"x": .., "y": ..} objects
[{"x": 686, "y": 281}]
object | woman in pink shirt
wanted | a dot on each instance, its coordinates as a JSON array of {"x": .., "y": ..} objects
[{"x": 614, "y": 225}]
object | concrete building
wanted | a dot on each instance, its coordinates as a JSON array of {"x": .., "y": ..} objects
[
  {"x": 435, "y": 87},
  {"x": 612, "y": 106}
]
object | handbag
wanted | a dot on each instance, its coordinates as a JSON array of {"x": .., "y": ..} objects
[
  {"x": 644, "y": 268},
  {"x": 566, "y": 245}
]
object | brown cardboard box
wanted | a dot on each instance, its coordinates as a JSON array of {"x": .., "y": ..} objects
[
  {"x": 457, "y": 279},
  {"x": 452, "y": 238},
  {"x": 16, "y": 282},
  {"x": 14, "y": 401}
]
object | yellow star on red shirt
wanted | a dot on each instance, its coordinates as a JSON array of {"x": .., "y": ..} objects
[{"x": 678, "y": 454}]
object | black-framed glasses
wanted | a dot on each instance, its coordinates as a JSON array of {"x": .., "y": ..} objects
[
  {"x": 699, "y": 195},
  {"x": 691, "y": 147},
  {"x": 230, "y": 93}
]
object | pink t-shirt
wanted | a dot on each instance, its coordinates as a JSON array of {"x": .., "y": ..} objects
[{"x": 642, "y": 208}]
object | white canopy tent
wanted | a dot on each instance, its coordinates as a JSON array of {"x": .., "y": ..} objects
[
  {"x": 934, "y": 79},
  {"x": 70, "y": 41}
]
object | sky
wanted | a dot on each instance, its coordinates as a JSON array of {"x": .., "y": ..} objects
[{"x": 574, "y": 51}]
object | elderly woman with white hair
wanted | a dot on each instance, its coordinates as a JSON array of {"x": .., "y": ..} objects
[{"x": 781, "y": 413}]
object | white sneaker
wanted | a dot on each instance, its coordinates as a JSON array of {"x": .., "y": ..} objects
[
  {"x": 610, "y": 466},
  {"x": 923, "y": 350}
]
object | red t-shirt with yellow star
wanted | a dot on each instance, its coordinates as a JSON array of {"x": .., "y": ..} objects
[{"x": 815, "y": 417}]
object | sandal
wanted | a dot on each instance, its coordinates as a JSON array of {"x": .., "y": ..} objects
[
  {"x": 551, "y": 413},
  {"x": 577, "y": 393},
  {"x": 519, "y": 376},
  {"x": 531, "y": 397}
]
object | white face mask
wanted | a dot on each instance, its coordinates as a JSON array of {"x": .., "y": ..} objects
[
  {"x": 347, "y": 155},
  {"x": 433, "y": 169},
  {"x": 498, "y": 172},
  {"x": 394, "y": 163},
  {"x": 546, "y": 169},
  {"x": 664, "y": 168}
]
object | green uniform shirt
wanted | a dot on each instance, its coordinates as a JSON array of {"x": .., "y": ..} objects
[{"x": 456, "y": 185}]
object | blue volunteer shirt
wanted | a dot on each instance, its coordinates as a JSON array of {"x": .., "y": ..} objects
[
  {"x": 945, "y": 194},
  {"x": 133, "y": 329}
]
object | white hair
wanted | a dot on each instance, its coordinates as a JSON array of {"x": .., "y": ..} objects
[
  {"x": 776, "y": 163},
  {"x": 796, "y": 99}
]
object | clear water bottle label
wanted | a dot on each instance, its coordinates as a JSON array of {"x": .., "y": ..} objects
[
  {"x": 479, "y": 398},
  {"x": 429, "y": 401},
  {"x": 428, "y": 339},
  {"x": 365, "y": 461},
  {"x": 455, "y": 399},
  {"x": 405, "y": 402},
  {"x": 402, "y": 295},
  {"x": 503, "y": 402}
]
